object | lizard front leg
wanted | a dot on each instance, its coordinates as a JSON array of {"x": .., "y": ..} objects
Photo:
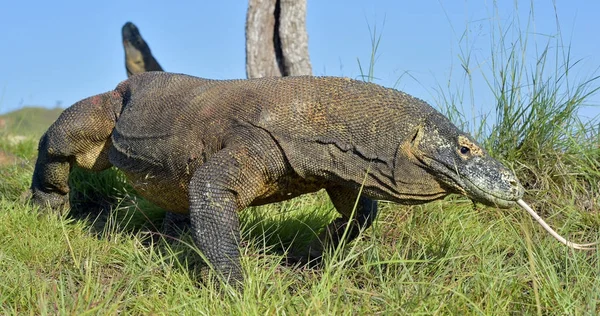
[
  {"x": 174, "y": 224},
  {"x": 227, "y": 183},
  {"x": 344, "y": 201}
]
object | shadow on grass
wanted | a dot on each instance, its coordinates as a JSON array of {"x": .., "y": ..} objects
[{"x": 110, "y": 205}]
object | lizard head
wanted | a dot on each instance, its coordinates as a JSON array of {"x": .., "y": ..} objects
[{"x": 461, "y": 166}]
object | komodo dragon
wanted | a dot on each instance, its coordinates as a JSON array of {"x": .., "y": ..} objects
[
  {"x": 212, "y": 148},
  {"x": 138, "y": 57}
]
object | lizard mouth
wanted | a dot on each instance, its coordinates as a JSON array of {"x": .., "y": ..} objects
[
  {"x": 488, "y": 197},
  {"x": 502, "y": 190}
]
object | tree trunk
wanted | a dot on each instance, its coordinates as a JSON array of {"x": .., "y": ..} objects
[
  {"x": 276, "y": 39},
  {"x": 293, "y": 37}
]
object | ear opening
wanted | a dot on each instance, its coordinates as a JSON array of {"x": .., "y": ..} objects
[
  {"x": 410, "y": 147},
  {"x": 417, "y": 137},
  {"x": 408, "y": 155}
]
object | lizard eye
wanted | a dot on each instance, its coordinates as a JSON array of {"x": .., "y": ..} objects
[{"x": 464, "y": 150}]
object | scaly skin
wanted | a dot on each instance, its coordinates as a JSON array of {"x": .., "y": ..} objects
[
  {"x": 138, "y": 57},
  {"x": 212, "y": 148}
]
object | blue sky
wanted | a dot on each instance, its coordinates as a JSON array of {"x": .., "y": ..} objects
[{"x": 62, "y": 51}]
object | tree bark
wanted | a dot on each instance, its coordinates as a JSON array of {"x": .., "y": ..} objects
[
  {"x": 294, "y": 38},
  {"x": 276, "y": 39}
]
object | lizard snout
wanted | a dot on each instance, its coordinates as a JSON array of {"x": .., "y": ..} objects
[{"x": 516, "y": 190}]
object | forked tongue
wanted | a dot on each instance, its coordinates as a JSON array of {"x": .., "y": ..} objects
[{"x": 552, "y": 232}]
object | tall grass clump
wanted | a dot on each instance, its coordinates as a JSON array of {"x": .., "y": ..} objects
[{"x": 538, "y": 92}]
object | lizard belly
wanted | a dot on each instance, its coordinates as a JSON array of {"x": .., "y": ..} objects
[
  {"x": 167, "y": 193},
  {"x": 157, "y": 170}
]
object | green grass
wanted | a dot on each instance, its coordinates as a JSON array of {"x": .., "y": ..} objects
[{"x": 445, "y": 257}]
